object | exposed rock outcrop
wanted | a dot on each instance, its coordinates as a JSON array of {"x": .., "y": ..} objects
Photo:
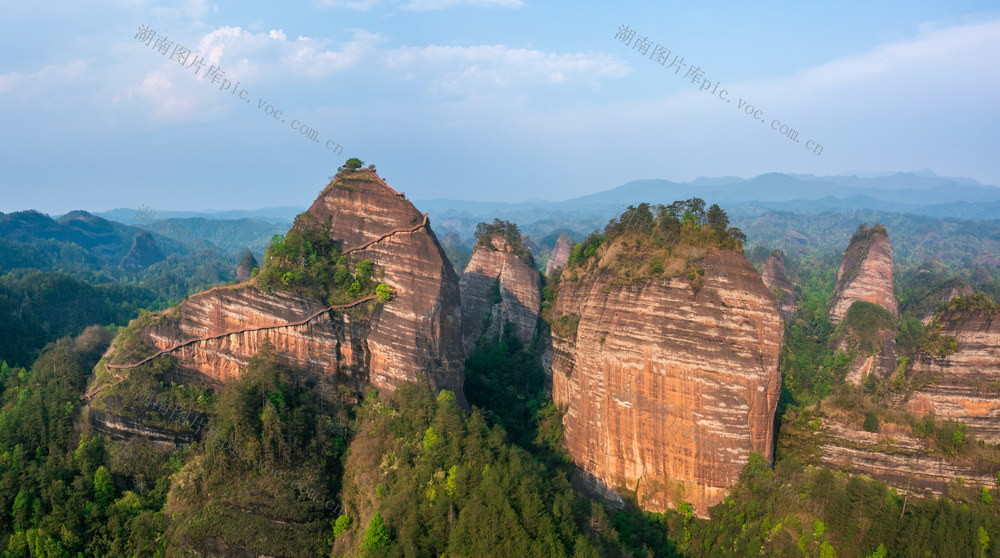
[
  {"x": 948, "y": 290},
  {"x": 497, "y": 287},
  {"x": 776, "y": 280},
  {"x": 143, "y": 253},
  {"x": 878, "y": 361},
  {"x": 867, "y": 333},
  {"x": 667, "y": 388},
  {"x": 865, "y": 273},
  {"x": 896, "y": 457},
  {"x": 414, "y": 337},
  {"x": 966, "y": 383},
  {"x": 560, "y": 254}
]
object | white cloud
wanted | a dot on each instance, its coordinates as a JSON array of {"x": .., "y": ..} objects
[
  {"x": 167, "y": 100},
  {"x": 46, "y": 76},
  {"x": 462, "y": 69},
  {"x": 428, "y": 5},
  {"x": 244, "y": 53}
]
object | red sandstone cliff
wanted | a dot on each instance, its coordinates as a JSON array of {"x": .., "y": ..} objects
[
  {"x": 667, "y": 389},
  {"x": 966, "y": 384},
  {"x": 416, "y": 335},
  {"x": 865, "y": 273},
  {"x": 776, "y": 280},
  {"x": 520, "y": 293},
  {"x": 560, "y": 254}
]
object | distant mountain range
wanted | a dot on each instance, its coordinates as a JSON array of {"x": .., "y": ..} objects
[{"x": 918, "y": 193}]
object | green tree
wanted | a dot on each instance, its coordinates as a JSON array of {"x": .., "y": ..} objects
[
  {"x": 364, "y": 269},
  {"x": 354, "y": 163},
  {"x": 384, "y": 292},
  {"x": 717, "y": 219},
  {"x": 377, "y": 538},
  {"x": 871, "y": 422},
  {"x": 104, "y": 489},
  {"x": 985, "y": 497},
  {"x": 342, "y": 524}
]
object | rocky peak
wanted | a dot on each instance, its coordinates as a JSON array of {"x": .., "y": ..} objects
[
  {"x": 560, "y": 254},
  {"x": 776, "y": 280},
  {"x": 499, "y": 285},
  {"x": 415, "y": 336},
  {"x": 865, "y": 273},
  {"x": 143, "y": 253}
]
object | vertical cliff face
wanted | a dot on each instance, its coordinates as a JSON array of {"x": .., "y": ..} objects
[
  {"x": 418, "y": 334},
  {"x": 497, "y": 287},
  {"x": 966, "y": 383},
  {"x": 865, "y": 273},
  {"x": 560, "y": 254},
  {"x": 776, "y": 280},
  {"x": 667, "y": 389},
  {"x": 414, "y": 337}
]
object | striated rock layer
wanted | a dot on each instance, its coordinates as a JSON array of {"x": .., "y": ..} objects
[
  {"x": 967, "y": 386},
  {"x": 520, "y": 292},
  {"x": 896, "y": 457},
  {"x": 322, "y": 346},
  {"x": 414, "y": 337},
  {"x": 776, "y": 280},
  {"x": 667, "y": 390},
  {"x": 560, "y": 254},
  {"x": 865, "y": 273}
]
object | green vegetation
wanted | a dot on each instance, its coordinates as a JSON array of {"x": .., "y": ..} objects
[
  {"x": 934, "y": 344},
  {"x": 506, "y": 382},
  {"x": 871, "y": 422},
  {"x": 468, "y": 494},
  {"x": 769, "y": 514},
  {"x": 810, "y": 368},
  {"x": 275, "y": 446},
  {"x": 864, "y": 323},
  {"x": 307, "y": 261},
  {"x": 485, "y": 232},
  {"x": 961, "y": 306},
  {"x": 566, "y": 326},
  {"x": 656, "y": 241}
]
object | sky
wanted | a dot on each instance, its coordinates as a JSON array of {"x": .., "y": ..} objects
[{"x": 484, "y": 100}]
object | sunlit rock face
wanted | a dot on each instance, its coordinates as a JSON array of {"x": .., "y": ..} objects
[
  {"x": 414, "y": 337},
  {"x": 667, "y": 389},
  {"x": 865, "y": 273}
]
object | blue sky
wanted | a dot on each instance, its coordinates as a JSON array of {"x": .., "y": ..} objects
[{"x": 481, "y": 99}]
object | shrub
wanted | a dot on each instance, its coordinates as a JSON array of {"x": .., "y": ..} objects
[
  {"x": 871, "y": 422},
  {"x": 377, "y": 535},
  {"x": 343, "y": 522},
  {"x": 384, "y": 292}
]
